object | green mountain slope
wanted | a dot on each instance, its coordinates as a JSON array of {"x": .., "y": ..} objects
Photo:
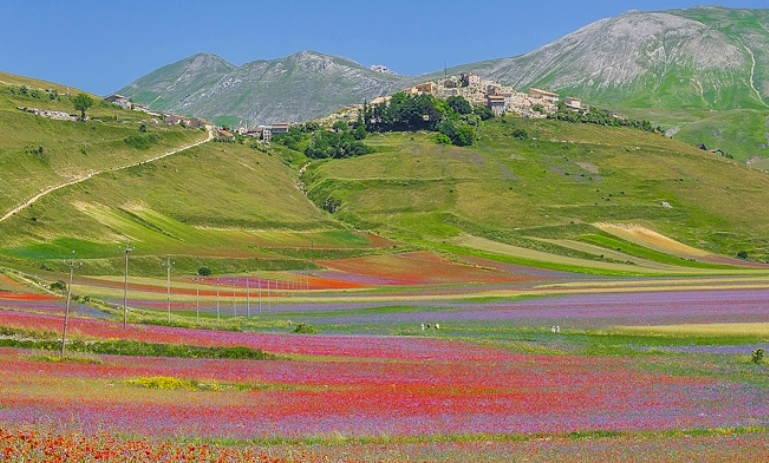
[
  {"x": 696, "y": 58},
  {"x": 167, "y": 88}
]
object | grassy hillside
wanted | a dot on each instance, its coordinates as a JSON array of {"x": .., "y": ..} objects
[
  {"x": 743, "y": 133},
  {"x": 224, "y": 205},
  {"x": 552, "y": 185},
  {"x": 38, "y": 153}
]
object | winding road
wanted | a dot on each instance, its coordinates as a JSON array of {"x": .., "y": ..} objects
[{"x": 48, "y": 190}]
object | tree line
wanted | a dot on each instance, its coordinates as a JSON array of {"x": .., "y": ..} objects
[
  {"x": 600, "y": 117},
  {"x": 454, "y": 118}
]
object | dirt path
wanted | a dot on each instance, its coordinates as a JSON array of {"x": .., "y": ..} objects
[{"x": 85, "y": 177}]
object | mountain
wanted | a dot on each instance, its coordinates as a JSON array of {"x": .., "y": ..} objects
[
  {"x": 298, "y": 87},
  {"x": 170, "y": 85},
  {"x": 713, "y": 57}
]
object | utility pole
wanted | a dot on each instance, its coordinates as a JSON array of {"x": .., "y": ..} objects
[
  {"x": 217, "y": 302},
  {"x": 234, "y": 308},
  {"x": 126, "y": 250},
  {"x": 168, "y": 266},
  {"x": 197, "y": 300},
  {"x": 248, "y": 295},
  {"x": 72, "y": 267},
  {"x": 259, "y": 275},
  {"x": 268, "y": 294}
]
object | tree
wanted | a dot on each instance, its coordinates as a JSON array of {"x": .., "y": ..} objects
[
  {"x": 82, "y": 103},
  {"x": 460, "y": 134},
  {"x": 359, "y": 133},
  {"x": 483, "y": 111},
  {"x": 459, "y": 104},
  {"x": 340, "y": 126},
  {"x": 204, "y": 271}
]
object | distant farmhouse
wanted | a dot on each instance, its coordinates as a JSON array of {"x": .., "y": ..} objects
[{"x": 119, "y": 100}]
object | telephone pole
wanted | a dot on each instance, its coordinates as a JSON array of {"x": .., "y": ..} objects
[
  {"x": 72, "y": 267},
  {"x": 197, "y": 300},
  {"x": 234, "y": 307},
  {"x": 168, "y": 266},
  {"x": 217, "y": 302},
  {"x": 248, "y": 295},
  {"x": 126, "y": 250}
]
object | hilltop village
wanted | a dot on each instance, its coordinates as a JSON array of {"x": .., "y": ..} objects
[{"x": 500, "y": 99}]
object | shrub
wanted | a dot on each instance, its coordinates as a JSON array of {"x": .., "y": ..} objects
[
  {"x": 520, "y": 134},
  {"x": 58, "y": 286},
  {"x": 304, "y": 328},
  {"x": 142, "y": 142},
  {"x": 204, "y": 271},
  {"x": 742, "y": 255},
  {"x": 757, "y": 356},
  {"x": 172, "y": 384}
]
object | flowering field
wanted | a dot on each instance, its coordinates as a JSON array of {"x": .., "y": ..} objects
[
  {"x": 493, "y": 384},
  {"x": 353, "y": 389},
  {"x": 415, "y": 269},
  {"x": 748, "y": 447}
]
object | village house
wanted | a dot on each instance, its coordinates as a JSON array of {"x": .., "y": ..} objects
[
  {"x": 119, "y": 100},
  {"x": 496, "y": 104},
  {"x": 381, "y": 99},
  {"x": 573, "y": 103},
  {"x": 173, "y": 119},
  {"x": 426, "y": 87},
  {"x": 279, "y": 127},
  {"x": 470, "y": 79},
  {"x": 544, "y": 95},
  {"x": 255, "y": 132},
  {"x": 223, "y": 135},
  {"x": 200, "y": 123}
]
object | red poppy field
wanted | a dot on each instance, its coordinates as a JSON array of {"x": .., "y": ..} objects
[{"x": 492, "y": 384}]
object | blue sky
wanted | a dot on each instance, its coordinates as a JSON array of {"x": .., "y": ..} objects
[{"x": 101, "y": 46}]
